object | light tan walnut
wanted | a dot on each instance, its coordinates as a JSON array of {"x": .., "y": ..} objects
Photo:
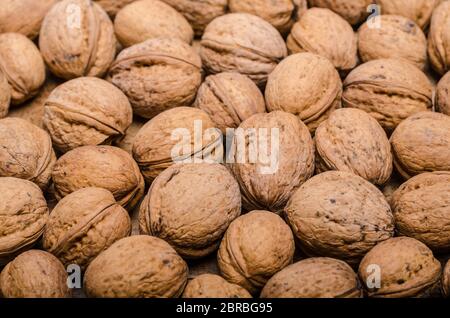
[
  {"x": 213, "y": 286},
  {"x": 354, "y": 11},
  {"x": 443, "y": 95},
  {"x": 5, "y": 95},
  {"x": 113, "y": 6},
  {"x": 439, "y": 38}
]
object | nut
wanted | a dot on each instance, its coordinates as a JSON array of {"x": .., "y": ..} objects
[
  {"x": 136, "y": 266},
  {"x": 86, "y": 111},
  {"x": 389, "y": 90},
  {"x": 406, "y": 268},
  {"x": 354, "y": 11},
  {"x": 77, "y": 39},
  {"x": 113, "y": 6},
  {"x": 353, "y": 141},
  {"x": 213, "y": 286},
  {"x": 157, "y": 75},
  {"x": 306, "y": 85},
  {"x": 126, "y": 143},
  {"x": 339, "y": 214},
  {"x": 443, "y": 95},
  {"x": 318, "y": 277},
  {"x": 256, "y": 246},
  {"x": 446, "y": 280},
  {"x": 34, "y": 274},
  {"x": 5, "y": 95},
  {"x": 422, "y": 143},
  {"x": 439, "y": 38},
  {"x": 190, "y": 206}
]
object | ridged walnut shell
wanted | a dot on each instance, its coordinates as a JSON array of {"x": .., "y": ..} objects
[
  {"x": 229, "y": 99},
  {"x": 421, "y": 143},
  {"x": 354, "y": 11},
  {"x": 139, "y": 266},
  {"x": 439, "y": 38},
  {"x": 83, "y": 224},
  {"x": 340, "y": 215},
  {"x": 23, "y": 66},
  {"x": 23, "y": 214},
  {"x": 25, "y": 151},
  {"x": 147, "y": 19},
  {"x": 446, "y": 280},
  {"x": 406, "y": 268},
  {"x": 323, "y": 32},
  {"x": 389, "y": 90},
  {"x": 306, "y": 85},
  {"x": 86, "y": 111},
  {"x": 34, "y": 274},
  {"x": 190, "y": 206},
  {"x": 113, "y": 6},
  {"x": 5, "y": 95},
  {"x": 443, "y": 95},
  {"x": 106, "y": 167},
  {"x": 256, "y": 246},
  {"x": 213, "y": 286},
  {"x": 318, "y": 277},
  {"x": 243, "y": 43},
  {"x": 351, "y": 140},
  {"x": 157, "y": 75}
]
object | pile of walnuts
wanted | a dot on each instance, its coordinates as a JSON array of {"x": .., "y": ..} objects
[{"x": 351, "y": 198}]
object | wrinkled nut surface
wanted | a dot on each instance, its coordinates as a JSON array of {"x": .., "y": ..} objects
[
  {"x": 407, "y": 268},
  {"x": 5, "y": 95},
  {"x": 340, "y": 215},
  {"x": 106, "y": 167},
  {"x": 243, "y": 43},
  {"x": 157, "y": 75},
  {"x": 229, "y": 99},
  {"x": 83, "y": 224},
  {"x": 34, "y": 274},
  {"x": 23, "y": 214},
  {"x": 23, "y": 66},
  {"x": 135, "y": 267},
  {"x": 422, "y": 143},
  {"x": 446, "y": 280},
  {"x": 397, "y": 38},
  {"x": 439, "y": 38},
  {"x": 113, "y": 6},
  {"x": 421, "y": 208},
  {"x": 255, "y": 247},
  {"x": 25, "y": 151},
  {"x": 306, "y": 85},
  {"x": 323, "y": 32},
  {"x": 147, "y": 19},
  {"x": 318, "y": 277},
  {"x": 353, "y": 141},
  {"x": 126, "y": 143},
  {"x": 86, "y": 111},
  {"x": 213, "y": 286},
  {"x": 268, "y": 182},
  {"x": 442, "y": 95},
  {"x": 190, "y": 206},
  {"x": 354, "y": 11},
  {"x": 389, "y": 90}
]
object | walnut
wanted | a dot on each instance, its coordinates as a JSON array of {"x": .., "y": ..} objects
[
  {"x": 306, "y": 85},
  {"x": 446, "y": 280},
  {"x": 157, "y": 75},
  {"x": 439, "y": 38},
  {"x": 113, "y": 6},
  {"x": 422, "y": 143},
  {"x": 213, "y": 286},
  {"x": 340, "y": 215},
  {"x": 318, "y": 277},
  {"x": 190, "y": 206},
  {"x": 86, "y": 111},
  {"x": 389, "y": 90},
  {"x": 354, "y": 11},
  {"x": 406, "y": 268},
  {"x": 34, "y": 274},
  {"x": 443, "y": 95},
  {"x": 5, "y": 95},
  {"x": 126, "y": 143},
  {"x": 137, "y": 266}
]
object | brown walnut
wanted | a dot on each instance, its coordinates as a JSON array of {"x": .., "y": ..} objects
[
  {"x": 213, "y": 286},
  {"x": 354, "y": 11},
  {"x": 113, "y": 6},
  {"x": 446, "y": 280},
  {"x": 443, "y": 95},
  {"x": 5, "y": 95},
  {"x": 439, "y": 38}
]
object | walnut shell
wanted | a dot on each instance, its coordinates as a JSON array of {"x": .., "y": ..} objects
[
  {"x": 126, "y": 143},
  {"x": 318, "y": 277},
  {"x": 86, "y": 111},
  {"x": 422, "y": 143},
  {"x": 442, "y": 95},
  {"x": 147, "y": 19},
  {"x": 256, "y": 246},
  {"x": 268, "y": 183},
  {"x": 157, "y": 75},
  {"x": 340, "y": 215},
  {"x": 106, "y": 167},
  {"x": 243, "y": 43},
  {"x": 439, "y": 38},
  {"x": 34, "y": 274},
  {"x": 229, "y": 99},
  {"x": 407, "y": 268},
  {"x": 389, "y": 90},
  {"x": 23, "y": 66},
  {"x": 113, "y": 6},
  {"x": 421, "y": 209},
  {"x": 213, "y": 286},
  {"x": 23, "y": 214},
  {"x": 77, "y": 39},
  {"x": 25, "y": 151},
  {"x": 323, "y": 32},
  {"x": 190, "y": 206},
  {"x": 135, "y": 267},
  {"x": 351, "y": 140},
  {"x": 306, "y": 85},
  {"x": 354, "y": 11},
  {"x": 446, "y": 280},
  {"x": 5, "y": 95}
]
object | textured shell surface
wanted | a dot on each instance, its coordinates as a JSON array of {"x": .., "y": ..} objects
[
  {"x": 443, "y": 95},
  {"x": 213, "y": 286},
  {"x": 113, "y": 6},
  {"x": 354, "y": 11},
  {"x": 5, "y": 95},
  {"x": 439, "y": 38}
]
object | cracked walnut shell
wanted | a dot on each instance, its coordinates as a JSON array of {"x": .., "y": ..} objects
[
  {"x": 354, "y": 11},
  {"x": 5, "y": 95},
  {"x": 439, "y": 38},
  {"x": 213, "y": 286},
  {"x": 443, "y": 95}
]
